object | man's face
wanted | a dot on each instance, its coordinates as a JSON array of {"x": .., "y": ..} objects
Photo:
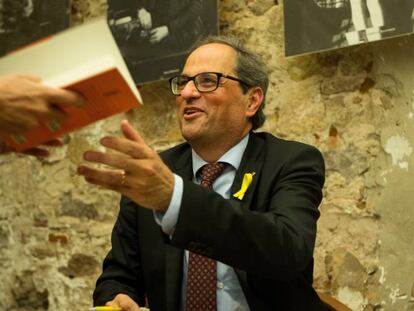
[{"x": 219, "y": 116}]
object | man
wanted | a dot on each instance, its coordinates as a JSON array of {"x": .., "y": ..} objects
[
  {"x": 260, "y": 241},
  {"x": 24, "y": 101}
]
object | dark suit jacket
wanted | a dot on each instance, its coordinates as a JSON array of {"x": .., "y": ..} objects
[{"x": 268, "y": 237}]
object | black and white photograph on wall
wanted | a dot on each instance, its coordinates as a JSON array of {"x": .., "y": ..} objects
[
  {"x": 318, "y": 25},
  {"x": 155, "y": 36},
  {"x": 25, "y": 21}
]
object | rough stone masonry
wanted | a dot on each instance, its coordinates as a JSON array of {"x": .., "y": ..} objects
[{"x": 355, "y": 104}]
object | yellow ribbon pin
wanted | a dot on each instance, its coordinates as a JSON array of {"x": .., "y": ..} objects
[{"x": 247, "y": 180}]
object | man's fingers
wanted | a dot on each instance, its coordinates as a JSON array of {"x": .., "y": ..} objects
[
  {"x": 111, "y": 304},
  {"x": 115, "y": 160},
  {"x": 65, "y": 98},
  {"x": 37, "y": 152},
  {"x": 125, "y": 302},
  {"x": 127, "y": 147},
  {"x": 32, "y": 86},
  {"x": 30, "y": 77},
  {"x": 130, "y": 133},
  {"x": 56, "y": 142},
  {"x": 134, "y": 145},
  {"x": 108, "y": 178}
]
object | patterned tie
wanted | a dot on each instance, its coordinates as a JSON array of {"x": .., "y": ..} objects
[{"x": 202, "y": 273}]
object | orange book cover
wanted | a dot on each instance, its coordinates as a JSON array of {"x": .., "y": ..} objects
[
  {"x": 106, "y": 93},
  {"x": 85, "y": 59}
]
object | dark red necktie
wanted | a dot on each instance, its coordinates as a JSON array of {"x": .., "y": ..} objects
[{"x": 202, "y": 272}]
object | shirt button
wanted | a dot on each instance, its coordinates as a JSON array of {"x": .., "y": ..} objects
[{"x": 220, "y": 285}]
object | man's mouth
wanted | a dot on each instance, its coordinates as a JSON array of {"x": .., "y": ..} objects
[{"x": 191, "y": 112}]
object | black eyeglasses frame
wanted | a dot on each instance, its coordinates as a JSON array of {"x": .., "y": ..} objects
[{"x": 193, "y": 78}]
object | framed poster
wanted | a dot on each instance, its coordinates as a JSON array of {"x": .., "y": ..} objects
[
  {"x": 317, "y": 25},
  {"x": 155, "y": 36},
  {"x": 25, "y": 21}
]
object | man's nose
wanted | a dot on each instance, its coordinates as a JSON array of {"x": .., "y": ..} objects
[{"x": 189, "y": 91}]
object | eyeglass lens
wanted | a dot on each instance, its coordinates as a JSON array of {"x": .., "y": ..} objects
[{"x": 204, "y": 82}]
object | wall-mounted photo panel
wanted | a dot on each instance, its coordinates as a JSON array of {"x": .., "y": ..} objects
[
  {"x": 317, "y": 25},
  {"x": 25, "y": 21},
  {"x": 155, "y": 36}
]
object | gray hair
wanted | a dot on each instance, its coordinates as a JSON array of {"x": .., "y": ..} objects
[{"x": 249, "y": 68}]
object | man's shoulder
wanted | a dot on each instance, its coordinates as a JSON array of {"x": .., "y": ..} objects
[
  {"x": 273, "y": 142},
  {"x": 277, "y": 153},
  {"x": 175, "y": 152}
]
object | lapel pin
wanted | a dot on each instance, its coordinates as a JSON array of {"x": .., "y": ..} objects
[{"x": 247, "y": 180}]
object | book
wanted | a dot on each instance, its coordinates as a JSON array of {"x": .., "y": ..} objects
[{"x": 85, "y": 59}]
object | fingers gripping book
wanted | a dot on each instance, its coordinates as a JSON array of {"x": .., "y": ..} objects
[{"x": 85, "y": 59}]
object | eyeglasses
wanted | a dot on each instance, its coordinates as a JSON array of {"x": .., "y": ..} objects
[{"x": 204, "y": 82}]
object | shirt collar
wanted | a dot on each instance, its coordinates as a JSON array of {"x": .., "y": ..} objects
[{"x": 233, "y": 156}]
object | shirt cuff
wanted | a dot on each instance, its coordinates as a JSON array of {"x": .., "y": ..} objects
[{"x": 168, "y": 220}]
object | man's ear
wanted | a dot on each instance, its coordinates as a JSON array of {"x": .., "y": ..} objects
[{"x": 255, "y": 99}]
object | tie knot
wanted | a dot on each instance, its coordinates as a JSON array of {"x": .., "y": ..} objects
[{"x": 210, "y": 172}]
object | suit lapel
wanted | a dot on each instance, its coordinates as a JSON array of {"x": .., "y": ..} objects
[{"x": 252, "y": 162}]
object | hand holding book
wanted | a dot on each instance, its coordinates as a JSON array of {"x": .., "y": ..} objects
[
  {"x": 84, "y": 59},
  {"x": 24, "y": 99}
]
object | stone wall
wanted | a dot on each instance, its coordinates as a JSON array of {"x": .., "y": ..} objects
[{"x": 356, "y": 105}]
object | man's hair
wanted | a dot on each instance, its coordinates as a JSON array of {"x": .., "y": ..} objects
[{"x": 249, "y": 68}]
